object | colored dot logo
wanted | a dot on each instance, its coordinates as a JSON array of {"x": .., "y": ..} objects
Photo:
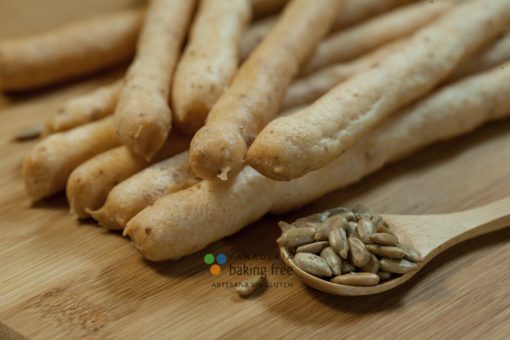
[{"x": 215, "y": 268}]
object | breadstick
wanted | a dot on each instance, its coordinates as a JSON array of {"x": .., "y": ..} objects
[
  {"x": 353, "y": 42},
  {"x": 262, "y": 8},
  {"x": 139, "y": 191},
  {"x": 496, "y": 54},
  {"x": 291, "y": 146},
  {"x": 142, "y": 116},
  {"x": 209, "y": 60},
  {"x": 307, "y": 89},
  {"x": 74, "y": 50},
  {"x": 218, "y": 149},
  {"x": 85, "y": 108},
  {"x": 90, "y": 183},
  {"x": 167, "y": 229},
  {"x": 351, "y": 12},
  {"x": 47, "y": 167}
]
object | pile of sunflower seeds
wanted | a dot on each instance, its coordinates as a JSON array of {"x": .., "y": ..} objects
[{"x": 348, "y": 247}]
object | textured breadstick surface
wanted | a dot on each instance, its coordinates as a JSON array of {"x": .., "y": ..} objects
[
  {"x": 70, "y": 51},
  {"x": 255, "y": 95},
  {"x": 49, "y": 164},
  {"x": 142, "y": 116},
  {"x": 209, "y": 61},
  {"x": 351, "y": 43},
  {"x": 291, "y": 146},
  {"x": 174, "y": 226},
  {"x": 143, "y": 189},
  {"x": 89, "y": 184},
  {"x": 307, "y": 89},
  {"x": 351, "y": 12},
  {"x": 85, "y": 108}
]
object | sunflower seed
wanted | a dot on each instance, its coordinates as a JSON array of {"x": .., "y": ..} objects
[
  {"x": 372, "y": 266},
  {"x": 358, "y": 252},
  {"x": 365, "y": 230},
  {"x": 284, "y": 226},
  {"x": 248, "y": 287},
  {"x": 384, "y": 275},
  {"x": 338, "y": 241},
  {"x": 312, "y": 264},
  {"x": 397, "y": 266},
  {"x": 384, "y": 239},
  {"x": 296, "y": 237},
  {"x": 360, "y": 211},
  {"x": 357, "y": 279},
  {"x": 315, "y": 218},
  {"x": 334, "y": 261},
  {"x": 347, "y": 267},
  {"x": 345, "y": 212},
  {"x": 313, "y": 248},
  {"x": 386, "y": 251},
  {"x": 410, "y": 253}
]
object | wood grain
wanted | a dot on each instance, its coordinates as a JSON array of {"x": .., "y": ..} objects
[{"x": 63, "y": 279}]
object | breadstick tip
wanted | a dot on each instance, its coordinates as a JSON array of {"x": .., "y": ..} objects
[{"x": 221, "y": 159}]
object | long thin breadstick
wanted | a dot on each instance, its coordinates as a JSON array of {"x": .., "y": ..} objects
[
  {"x": 209, "y": 61},
  {"x": 307, "y": 89},
  {"x": 139, "y": 191},
  {"x": 218, "y": 149},
  {"x": 70, "y": 51},
  {"x": 89, "y": 184},
  {"x": 351, "y": 12},
  {"x": 262, "y": 8},
  {"x": 49, "y": 164},
  {"x": 353, "y": 42},
  {"x": 291, "y": 146},
  {"x": 496, "y": 54},
  {"x": 166, "y": 230},
  {"x": 85, "y": 108},
  {"x": 142, "y": 116}
]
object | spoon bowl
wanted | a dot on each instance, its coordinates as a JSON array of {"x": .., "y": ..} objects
[{"x": 429, "y": 234}]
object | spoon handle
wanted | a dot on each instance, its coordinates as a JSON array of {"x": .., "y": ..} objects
[{"x": 487, "y": 218}]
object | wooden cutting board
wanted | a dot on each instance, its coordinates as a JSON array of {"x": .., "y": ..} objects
[{"x": 60, "y": 278}]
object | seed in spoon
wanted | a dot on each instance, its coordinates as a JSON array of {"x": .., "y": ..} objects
[
  {"x": 384, "y": 239},
  {"x": 313, "y": 248},
  {"x": 334, "y": 261},
  {"x": 312, "y": 264},
  {"x": 358, "y": 252},
  {"x": 344, "y": 212},
  {"x": 297, "y": 236},
  {"x": 372, "y": 266},
  {"x": 401, "y": 266},
  {"x": 386, "y": 251},
  {"x": 357, "y": 279},
  {"x": 365, "y": 230},
  {"x": 347, "y": 267},
  {"x": 338, "y": 241},
  {"x": 411, "y": 253}
]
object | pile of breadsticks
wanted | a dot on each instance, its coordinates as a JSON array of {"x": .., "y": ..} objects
[{"x": 233, "y": 109}]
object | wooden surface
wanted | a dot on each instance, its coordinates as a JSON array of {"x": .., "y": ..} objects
[{"x": 64, "y": 279}]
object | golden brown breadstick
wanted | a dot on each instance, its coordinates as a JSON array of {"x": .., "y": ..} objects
[
  {"x": 218, "y": 149},
  {"x": 142, "y": 116},
  {"x": 139, "y": 191},
  {"x": 262, "y": 8},
  {"x": 351, "y": 12},
  {"x": 90, "y": 183},
  {"x": 353, "y": 42},
  {"x": 68, "y": 52},
  {"x": 209, "y": 61},
  {"x": 291, "y": 146},
  {"x": 47, "y": 167},
  {"x": 85, "y": 108},
  {"x": 307, "y": 89},
  {"x": 167, "y": 229}
]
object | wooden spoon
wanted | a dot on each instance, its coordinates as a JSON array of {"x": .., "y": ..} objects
[{"x": 430, "y": 234}]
